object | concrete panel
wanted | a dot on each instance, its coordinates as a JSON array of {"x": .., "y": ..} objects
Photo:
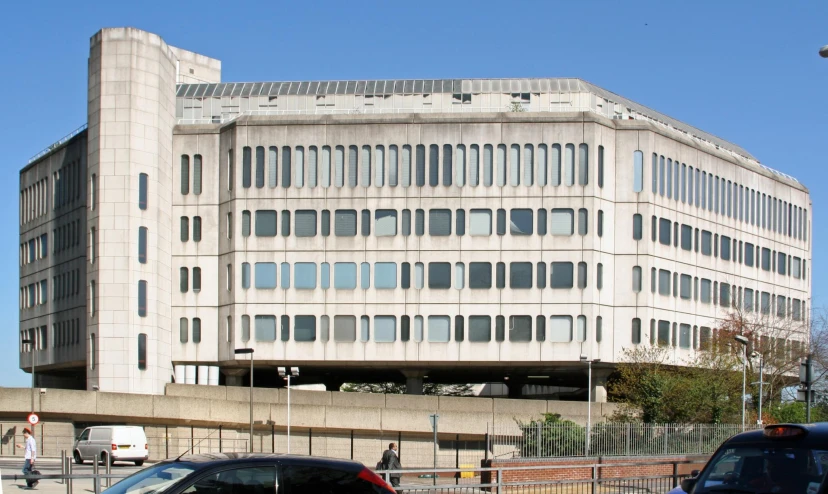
[
  {"x": 465, "y": 404},
  {"x": 59, "y": 400},
  {"x": 195, "y": 391},
  {"x": 261, "y": 395},
  {"x": 301, "y": 397},
  {"x": 125, "y": 405},
  {"x": 410, "y": 402},
  {"x": 353, "y": 418},
  {"x": 463, "y": 422},
  {"x": 358, "y": 400},
  {"x": 300, "y": 415},
  {"x": 406, "y": 420},
  {"x": 532, "y": 409},
  {"x": 180, "y": 408},
  {"x": 16, "y": 400}
]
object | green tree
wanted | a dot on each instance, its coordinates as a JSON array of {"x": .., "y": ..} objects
[{"x": 551, "y": 436}]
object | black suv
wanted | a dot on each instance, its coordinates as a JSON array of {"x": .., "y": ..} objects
[
  {"x": 785, "y": 459},
  {"x": 250, "y": 473}
]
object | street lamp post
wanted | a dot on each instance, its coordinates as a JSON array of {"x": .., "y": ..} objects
[
  {"x": 245, "y": 351},
  {"x": 744, "y": 341},
  {"x": 294, "y": 372},
  {"x": 761, "y": 381},
  {"x": 589, "y": 401},
  {"x": 33, "y": 341}
]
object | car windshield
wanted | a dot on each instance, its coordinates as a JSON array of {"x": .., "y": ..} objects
[
  {"x": 153, "y": 480},
  {"x": 764, "y": 468}
]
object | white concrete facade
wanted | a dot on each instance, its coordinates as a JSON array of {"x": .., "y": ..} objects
[{"x": 351, "y": 239}]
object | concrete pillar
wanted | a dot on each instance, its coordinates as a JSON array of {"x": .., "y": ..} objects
[
  {"x": 414, "y": 382},
  {"x": 599, "y": 385},
  {"x": 233, "y": 377},
  {"x": 515, "y": 388}
]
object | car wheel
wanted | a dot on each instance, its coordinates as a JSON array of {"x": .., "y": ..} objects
[
  {"x": 78, "y": 459},
  {"x": 104, "y": 457},
  {"x": 139, "y": 463}
]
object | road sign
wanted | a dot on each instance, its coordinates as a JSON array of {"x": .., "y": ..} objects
[
  {"x": 433, "y": 419},
  {"x": 32, "y": 419}
]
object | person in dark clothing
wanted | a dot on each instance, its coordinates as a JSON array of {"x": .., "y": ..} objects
[{"x": 391, "y": 461}]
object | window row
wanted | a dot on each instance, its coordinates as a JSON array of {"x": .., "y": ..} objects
[
  {"x": 706, "y": 291},
  {"x": 665, "y": 333},
  {"x": 724, "y": 197},
  {"x": 33, "y": 250},
  {"x": 185, "y": 228},
  {"x": 35, "y": 337},
  {"x": 390, "y": 222},
  {"x": 722, "y": 246},
  {"x": 417, "y": 165},
  {"x": 66, "y": 333},
  {"x": 67, "y": 184},
  {"x": 185, "y": 174},
  {"x": 440, "y": 275},
  {"x": 184, "y": 330},
  {"x": 66, "y": 285},
  {"x": 184, "y": 279},
  {"x": 66, "y": 236},
  {"x": 33, "y": 294},
  {"x": 34, "y": 201},
  {"x": 433, "y": 329}
]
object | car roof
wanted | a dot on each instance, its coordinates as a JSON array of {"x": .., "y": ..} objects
[
  {"x": 817, "y": 436},
  {"x": 214, "y": 459}
]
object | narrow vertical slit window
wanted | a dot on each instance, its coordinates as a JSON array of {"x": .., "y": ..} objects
[
  {"x": 501, "y": 165},
  {"x": 638, "y": 171},
  {"x": 299, "y": 167},
  {"x": 312, "y": 166},
  {"x": 286, "y": 167},
  {"x": 142, "y": 245},
  {"x": 185, "y": 174},
  {"x": 365, "y": 179},
  {"x": 514, "y": 165},
  {"x": 142, "y": 351},
  {"x": 488, "y": 166},
  {"x": 448, "y": 172},
  {"x": 272, "y": 166},
  {"x": 246, "y": 167},
  {"x": 185, "y": 229},
  {"x": 142, "y": 298},
  {"x": 379, "y": 166},
  {"x": 260, "y": 167},
  {"x": 583, "y": 164},
  {"x": 325, "y": 167},
  {"x": 393, "y": 166},
  {"x": 143, "y": 178},
  {"x": 433, "y": 165},
  {"x": 460, "y": 166}
]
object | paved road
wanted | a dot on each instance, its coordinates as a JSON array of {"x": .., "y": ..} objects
[{"x": 49, "y": 466}]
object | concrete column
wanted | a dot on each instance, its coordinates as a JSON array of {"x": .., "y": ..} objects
[
  {"x": 233, "y": 377},
  {"x": 515, "y": 388},
  {"x": 599, "y": 385},
  {"x": 414, "y": 382}
]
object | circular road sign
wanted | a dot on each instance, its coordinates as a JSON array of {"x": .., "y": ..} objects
[{"x": 33, "y": 419}]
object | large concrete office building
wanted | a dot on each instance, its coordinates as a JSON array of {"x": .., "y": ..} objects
[{"x": 409, "y": 230}]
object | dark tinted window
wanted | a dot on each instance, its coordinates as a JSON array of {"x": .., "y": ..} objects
[
  {"x": 322, "y": 480},
  {"x": 250, "y": 480}
]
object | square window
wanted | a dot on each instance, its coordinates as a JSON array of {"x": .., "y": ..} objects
[
  {"x": 265, "y": 275},
  {"x": 707, "y": 243},
  {"x": 304, "y": 328},
  {"x": 686, "y": 237},
  {"x": 520, "y": 275},
  {"x": 345, "y": 275},
  {"x": 439, "y": 275},
  {"x": 560, "y": 329},
  {"x": 480, "y": 222},
  {"x": 664, "y": 231},
  {"x": 385, "y": 222},
  {"x": 562, "y": 222},
  {"x": 480, "y": 275},
  {"x": 265, "y": 328},
  {"x": 345, "y": 223},
  {"x": 305, "y": 275},
  {"x": 685, "y": 291},
  {"x": 520, "y": 328},
  {"x": 385, "y": 329},
  {"x": 439, "y": 329},
  {"x": 345, "y": 328},
  {"x": 266, "y": 223},
  {"x": 480, "y": 328},
  {"x": 305, "y": 223},
  {"x": 561, "y": 275},
  {"x": 385, "y": 275},
  {"x": 439, "y": 222},
  {"x": 521, "y": 222}
]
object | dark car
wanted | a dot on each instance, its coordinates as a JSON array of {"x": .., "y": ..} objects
[
  {"x": 789, "y": 459},
  {"x": 250, "y": 473}
]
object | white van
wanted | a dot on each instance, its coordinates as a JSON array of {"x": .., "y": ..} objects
[{"x": 122, "y": 442}]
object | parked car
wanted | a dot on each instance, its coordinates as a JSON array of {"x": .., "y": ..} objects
[
  {"x": 121, "y": 442},
  {"x": 251, "y": 473},
  {"x": 785, "y": 458}
]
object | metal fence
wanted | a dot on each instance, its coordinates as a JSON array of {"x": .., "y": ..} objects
[
  {"x": 538, "y": 440},
  {"x": 587, "y": 478}
]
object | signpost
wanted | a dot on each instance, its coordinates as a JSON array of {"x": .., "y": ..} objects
[
  {"x": 434, "y": 418},
  {"x": 32, "y": 419},
  {"x": 806, "y": 379}
]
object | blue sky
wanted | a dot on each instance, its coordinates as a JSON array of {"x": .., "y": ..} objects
[{"x": 746, "y": 71}]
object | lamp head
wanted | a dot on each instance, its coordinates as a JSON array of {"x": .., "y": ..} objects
[
  {"x": 741, "y": 339},
  {"x": 282, "y": 372},
  {"x": 294, "y": 371},
  {"x": 823, "y": 52},
  {"x": 243, "y": 351},
  {"x": 583, "y": 358}
]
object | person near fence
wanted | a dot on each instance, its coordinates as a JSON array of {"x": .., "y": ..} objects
[
  {"x": 391, "y": 461},
  {"x": 29, "y": 456}
]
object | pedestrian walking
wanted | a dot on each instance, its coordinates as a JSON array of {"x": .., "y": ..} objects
[
  {"x": 391, "y": 461},
  {"x": 30, "y": 455}
]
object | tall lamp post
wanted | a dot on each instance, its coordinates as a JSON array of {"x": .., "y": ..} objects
[
  {"x": 245, "y": 351},
  {"x": 744, "y": 342},
  {"x": 33, "y": 342},
  {"x": 283, "y": 372},
  {"x": 584, "y": 359}
]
